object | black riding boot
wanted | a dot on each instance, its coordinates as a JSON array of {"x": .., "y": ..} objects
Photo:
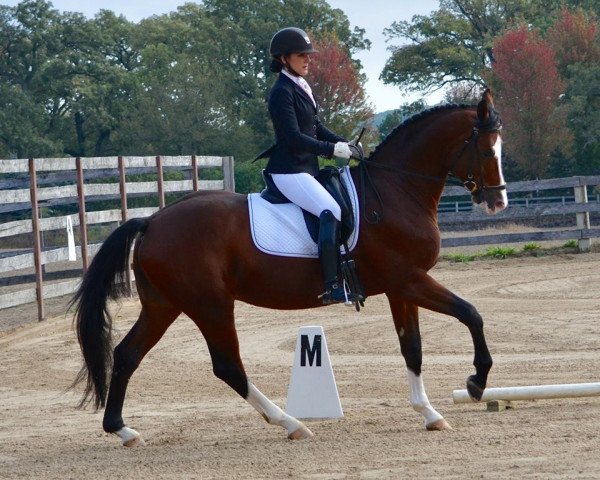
[{"x": 329, "y": 252}]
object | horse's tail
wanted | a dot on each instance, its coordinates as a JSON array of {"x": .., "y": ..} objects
[{"x": 104, "y": 279}]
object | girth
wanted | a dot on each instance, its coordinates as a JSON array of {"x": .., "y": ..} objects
[{"x": 329, "y": 177}]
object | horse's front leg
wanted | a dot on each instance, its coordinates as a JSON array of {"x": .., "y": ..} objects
[
  {"x": 406, "y": 321},
  {"x": 422, "y": 290}
]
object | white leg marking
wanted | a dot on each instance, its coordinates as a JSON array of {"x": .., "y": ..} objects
[
  {"x": 129, "y": 437},
  {"x": 419, "y": 400},
  {"x": 274, "y": 415}
]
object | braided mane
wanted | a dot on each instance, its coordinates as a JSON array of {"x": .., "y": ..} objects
[{"x": 417, "y": 117}]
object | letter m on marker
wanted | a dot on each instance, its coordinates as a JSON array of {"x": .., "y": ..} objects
[{"x": 306, "y": 350}]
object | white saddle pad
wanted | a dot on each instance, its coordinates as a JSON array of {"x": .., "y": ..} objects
[{"x": 280, "y": 229}]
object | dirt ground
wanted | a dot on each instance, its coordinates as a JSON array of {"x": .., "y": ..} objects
[{"x": 542, "y": 324}]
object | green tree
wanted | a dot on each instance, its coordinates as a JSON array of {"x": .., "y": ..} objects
[
  {"x": 22, "y": 123},
  {"x": 583, "y": 96},
  {"x": 243, "y": 54},
  {"x": 104, "y": 92},
  {"x": 30, "y": 53},
  {"x": 181, "y": 104},
  {"x": 463, "y": 93},
  {"x": 575, "y": 39},
  {"x": 192, "y": 81},
  {"x": 453, "y": 49},
  {"x": 396, "y": 117},
  {"x": 68, "y": 92},
  {"x": 453, "y": 45},
  {"x": 205, "y": 91}
]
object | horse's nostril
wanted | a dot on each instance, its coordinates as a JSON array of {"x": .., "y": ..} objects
[{"x": 499, "y": 204}]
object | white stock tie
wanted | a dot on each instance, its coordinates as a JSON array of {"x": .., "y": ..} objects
[{"x": 306, "y": 87}]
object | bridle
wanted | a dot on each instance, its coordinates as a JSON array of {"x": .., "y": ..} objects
[{"x": 492, "y": 125}]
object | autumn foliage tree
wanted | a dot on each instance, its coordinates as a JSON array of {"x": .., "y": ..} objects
[
  {"x": 337, "y": 84},
  {"x": 528, "y": 85},
  {"x": 574, "y": 39}
]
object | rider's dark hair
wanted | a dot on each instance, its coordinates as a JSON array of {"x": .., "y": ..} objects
[{"x": 276, "y": 65}]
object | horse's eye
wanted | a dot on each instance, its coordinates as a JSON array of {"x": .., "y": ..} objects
[{"x": 489, "y": 153}]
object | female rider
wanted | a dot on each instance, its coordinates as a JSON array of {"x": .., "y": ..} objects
[{"x": 300, "y": 139}]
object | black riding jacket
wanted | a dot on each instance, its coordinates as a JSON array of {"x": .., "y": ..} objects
[{"x": 300, "y": 135}]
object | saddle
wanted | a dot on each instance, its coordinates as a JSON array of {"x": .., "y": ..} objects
[{"x": 329, "y": 177}]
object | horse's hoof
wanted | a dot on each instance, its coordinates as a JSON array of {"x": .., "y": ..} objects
[
  {"x": 440, "y": 424},
  {"x": 134, "y": 442},
  {"x": 474, "y": 390},
  {"x": 301, "y": 433},
  {"x": 129, "y": 437}
]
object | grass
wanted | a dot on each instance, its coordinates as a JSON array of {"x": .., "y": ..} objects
[
  {"x": 501, "y": 253},
  {"x": 460, "y": 257}
]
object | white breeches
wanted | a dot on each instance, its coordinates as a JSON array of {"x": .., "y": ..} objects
[{"x": 305, "y": 191}]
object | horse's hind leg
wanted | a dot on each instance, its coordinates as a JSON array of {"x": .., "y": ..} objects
[
  {"x": 406, "y": 321},
  {"x": 217, "y": 326},
  {"x": 147, "y": 331}
]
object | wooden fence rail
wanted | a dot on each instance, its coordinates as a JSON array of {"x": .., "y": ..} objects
[
  {"x": 78, "y": 175},
  {"x": 77, "y": 187},
  {"x": 583, "y": 232}
]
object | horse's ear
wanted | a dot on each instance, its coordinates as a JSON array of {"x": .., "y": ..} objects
[
  {"x": 487, "y": 96},
  {"x": 487, "y": 102}
]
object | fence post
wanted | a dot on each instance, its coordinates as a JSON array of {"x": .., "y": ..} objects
[
  {"x": 195, "y": 173},
  {"x": 124, "y": 213},
  {"x": 583, "y": 219},
  {"x": 37, "y": 249},
  {"x": 228, "y": 174},
  {"x": 122, "y": 189},
  {"x": 82, "y": 215},
  {"x": 160, "y": 182}
]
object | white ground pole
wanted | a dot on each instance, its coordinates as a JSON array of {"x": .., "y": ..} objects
[{"x": 535, "y": 392}]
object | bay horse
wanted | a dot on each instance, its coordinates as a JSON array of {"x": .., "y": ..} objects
[{"x": 196, "y": 256}]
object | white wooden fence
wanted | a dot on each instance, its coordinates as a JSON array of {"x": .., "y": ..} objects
[
  {"x": 580, "y": 187},
  {"x": 79, "y": 191}
]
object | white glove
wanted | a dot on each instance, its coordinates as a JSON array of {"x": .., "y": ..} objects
[{"x": 342, "y": 150}]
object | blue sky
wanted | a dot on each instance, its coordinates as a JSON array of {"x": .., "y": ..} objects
[{"x": 372, "y": 15}]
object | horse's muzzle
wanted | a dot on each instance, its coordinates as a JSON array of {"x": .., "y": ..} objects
[{"x": 491, "y": 200}]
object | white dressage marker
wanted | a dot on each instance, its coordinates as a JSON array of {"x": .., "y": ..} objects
[
  {"x": 535, "y": 392},
  {"x": 312, "y": 391}
]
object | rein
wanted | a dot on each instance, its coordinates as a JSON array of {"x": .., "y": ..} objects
[
  {"x": 366, "y": 176},
  {"x": 492, "y": 126}
]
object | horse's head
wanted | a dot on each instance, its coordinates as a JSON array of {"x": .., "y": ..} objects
[{"x": 478, "y": 163}]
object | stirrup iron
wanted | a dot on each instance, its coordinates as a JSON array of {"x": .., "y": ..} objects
[{"x": 339, "y": 292}]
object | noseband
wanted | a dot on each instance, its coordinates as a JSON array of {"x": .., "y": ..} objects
[{"x": 493, "y": 125}]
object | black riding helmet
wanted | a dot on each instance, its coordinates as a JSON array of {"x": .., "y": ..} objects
[{"x": 290, "y": 40}]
